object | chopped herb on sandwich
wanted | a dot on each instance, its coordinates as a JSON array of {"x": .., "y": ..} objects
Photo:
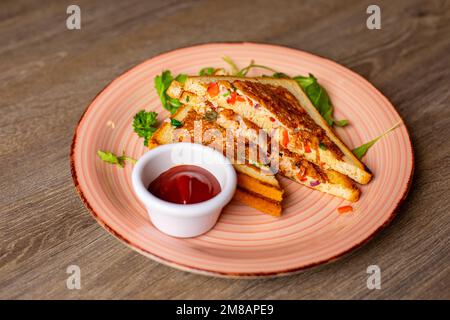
[
  {"x": 211, "y": 115},
  {"x": 322, "y": 146},
  {"x": 176, "y": 123}
]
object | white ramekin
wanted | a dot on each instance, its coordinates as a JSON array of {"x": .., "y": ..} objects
[{"x": 180, "y": 220}]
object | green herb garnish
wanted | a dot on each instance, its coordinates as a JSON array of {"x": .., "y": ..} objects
[
  {"x": 207, "y": 71},
  {"x": 319, "y": 98},
  {"x": 322, "y": 146},
  {"x": 226, "y": 94},
  {"x": 176, "y": 123},
  {"x": 233, "y": 66},
  {"x": 235, "y": 71},
  {"x": 162, "y": 83},
  {"x": 181, "y": 78},
  {"x": 341, "y": 123},
  {"x": 280, "y": 75},
  {"x": 211, "y": 115},
  {"x": 243, "y": 72},
  {"x": 144, "y": 124},
  {"x": 360, "y": 151},
  {"x": 114, "y": 159}
]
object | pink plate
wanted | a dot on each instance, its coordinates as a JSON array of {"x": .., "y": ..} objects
[{"x": 244, "y": 242}]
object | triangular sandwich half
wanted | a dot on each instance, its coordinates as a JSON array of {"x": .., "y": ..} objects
[
  {"x": 280, "y": 108},
  {"x": 285, "y": 162}
]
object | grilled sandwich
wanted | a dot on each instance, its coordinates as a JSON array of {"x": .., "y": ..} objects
[
  {"x": 257, "y": 186},
  {"x": 282, "y": 110},
  {"x": 285, "y": 162}
]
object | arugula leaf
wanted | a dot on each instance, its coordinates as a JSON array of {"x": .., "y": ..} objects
[
  {"x": 176, "y": 123},
  {"x": 235, "y": 71},
  {"x": 144, "y": 124},
  {"x": 280, "y": 75},
  {"x": 360, "y": 151},
  {"x": 111, "y": 158},
  {"x": 174, "y": 103},
  {"x": 161, "y": 88},
  {"x": 234, "y": 68},
  {"x": 341, "y": 123},
  {"x": 305, "y": 81},
  {"x": 319, "y": 98},
  {"x": 162, "y": 83},
  {"x": 181, "y": 78},
  {"x": 243, "y": 72},
  {"x": 207, "y": 71}
]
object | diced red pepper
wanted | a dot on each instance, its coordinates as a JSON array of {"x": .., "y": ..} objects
[
  {"x": 240, "y": 99},
  {"x": 213, "y": 89},
  {"x": 285, "y": 139},
  {"x": 302, "y": 178},
  {"x": 272, "y": 119},
  {"x": 250, "y": 101},
  {"x": 307, "y": 148},
  {"x": 232, "y": 98},
  {"x": 345, "y": 209}
]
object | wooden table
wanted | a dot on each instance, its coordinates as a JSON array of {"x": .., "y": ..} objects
[{"x": 49, "y": 75}]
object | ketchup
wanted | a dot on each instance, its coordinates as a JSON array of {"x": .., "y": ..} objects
[{"x": 185, "y": 184}]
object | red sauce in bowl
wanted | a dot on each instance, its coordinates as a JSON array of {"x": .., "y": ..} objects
[{"x": 185, "y": 184}]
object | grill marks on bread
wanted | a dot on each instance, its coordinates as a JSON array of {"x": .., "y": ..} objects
[
  {"x": 306, "y": 168},
  {"x": 281, "y": 103}
]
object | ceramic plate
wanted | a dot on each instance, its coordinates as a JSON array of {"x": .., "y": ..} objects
[{"x": 245, "y": 242}]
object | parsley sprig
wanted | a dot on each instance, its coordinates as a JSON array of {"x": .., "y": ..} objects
[
  {"x": 111, "y": 158},
  {"x": 144, "y": 124}
]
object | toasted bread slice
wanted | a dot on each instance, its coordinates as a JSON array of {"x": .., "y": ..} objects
[
  {"x": 282, "y": 109},
  {"x": 290, "y": 165},
  {"x": 256, "y": 186},
  {"x": 254, "y": 200}
]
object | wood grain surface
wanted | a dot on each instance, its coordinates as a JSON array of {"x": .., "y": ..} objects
[{"x": 50, "y": 74}]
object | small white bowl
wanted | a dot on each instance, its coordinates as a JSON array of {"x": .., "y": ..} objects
[{"x": 183, "y": 220}]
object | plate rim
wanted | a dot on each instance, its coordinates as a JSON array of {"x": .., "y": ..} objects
[{"x": 206, "y": 271}]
